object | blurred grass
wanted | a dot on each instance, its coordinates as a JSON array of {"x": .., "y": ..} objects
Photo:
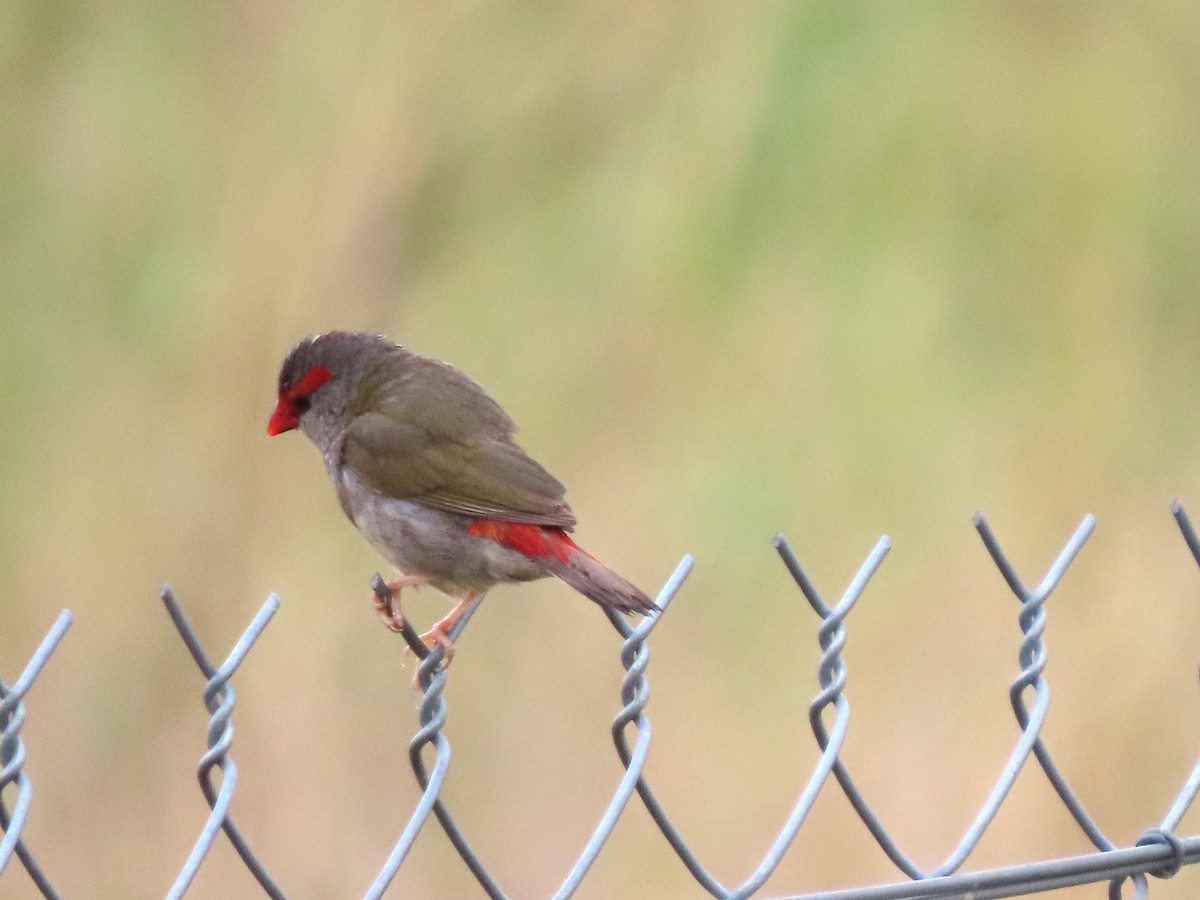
[{"x": 835, "y": 269}]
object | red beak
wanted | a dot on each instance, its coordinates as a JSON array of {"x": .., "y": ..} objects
[
  {"x": 286, "y": 415},
  {"x": 283, "y": 419}
]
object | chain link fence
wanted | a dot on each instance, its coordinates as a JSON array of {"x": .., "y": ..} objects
[{"x": 1160, "y": 853}]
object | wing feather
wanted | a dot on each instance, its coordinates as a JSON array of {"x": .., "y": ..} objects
[{"x": 441, "y": 440}]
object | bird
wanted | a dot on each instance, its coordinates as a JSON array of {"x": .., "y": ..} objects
[{"x": 424, "y": 464}]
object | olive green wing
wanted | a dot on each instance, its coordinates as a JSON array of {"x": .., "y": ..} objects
[{"x": 443, "y": 442}]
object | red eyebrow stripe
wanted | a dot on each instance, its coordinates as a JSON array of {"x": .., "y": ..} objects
[{"x": 309, "y": 382}]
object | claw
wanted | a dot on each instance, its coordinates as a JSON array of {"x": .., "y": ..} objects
[
  {"x": 439, "y": 634},
  {"x": 437, "y": 637},
  {"x": 389, "y": 609},
  {"x": 433, "y": 638}
]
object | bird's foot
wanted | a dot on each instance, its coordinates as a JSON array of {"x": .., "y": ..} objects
[
  {"x": 433, "y": 638},
  {"x": 437, "y": 637},
  {"x": 439, "y": 634},
  {"x": 389, "y": 608}
]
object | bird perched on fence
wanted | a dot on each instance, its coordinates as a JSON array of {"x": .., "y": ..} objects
[{"x": 425, "y": 466}]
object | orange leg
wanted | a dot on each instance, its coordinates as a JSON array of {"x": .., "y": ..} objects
[
  {"x": 389, "y": 610},
  {"x": 439, "y": 634}
]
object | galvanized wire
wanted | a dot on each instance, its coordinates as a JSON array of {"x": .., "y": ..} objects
[
  {"x": 635, "y": 693},
  {"x": 12, "y": 757},
  {"x": 831, "y": 674},
  {"x": 1031, "y": 878},
  {"x": 431, "y": 677},
  {"x": 219, "y": 698},
  {"x": 432, "y": 716},
  {"x": 1160, "y": 853}
]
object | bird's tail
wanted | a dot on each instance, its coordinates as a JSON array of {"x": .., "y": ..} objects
[{"x": 597, "y": 582}]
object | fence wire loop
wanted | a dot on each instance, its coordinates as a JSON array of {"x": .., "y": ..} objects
[
  {"x": 219, "y": 700},
  {"x": 635, "y": 694},
  {"x": 1160, "y": 852},
  {"x": 12, "y": 758},
  {"x": 1162, "y": 836}
]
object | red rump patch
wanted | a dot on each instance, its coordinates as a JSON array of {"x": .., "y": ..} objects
[{"x": 535, "y": 541}]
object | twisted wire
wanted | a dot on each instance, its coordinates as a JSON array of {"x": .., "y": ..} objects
[
  {"x": 1032, "y": 657},
  {"x": 432, "y": 714},
  {"x": 635, "y": 694},
  {"x": 219, "y": 699},
  {"x": 12, "y": 757},
  {"x": 1164, "y": 833},
  {"x": 631, "y": 691},
  {"x": 1184, "y": 801},
  {"x": 831, "y": 675}
]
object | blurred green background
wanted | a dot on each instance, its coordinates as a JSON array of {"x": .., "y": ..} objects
[{"x": 835, "y": 269}]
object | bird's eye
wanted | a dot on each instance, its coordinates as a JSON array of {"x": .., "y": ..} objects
[{"x": 302, "y": 404}]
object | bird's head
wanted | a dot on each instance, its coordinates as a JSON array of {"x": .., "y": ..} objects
[{"x": 319, "y": 382}]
